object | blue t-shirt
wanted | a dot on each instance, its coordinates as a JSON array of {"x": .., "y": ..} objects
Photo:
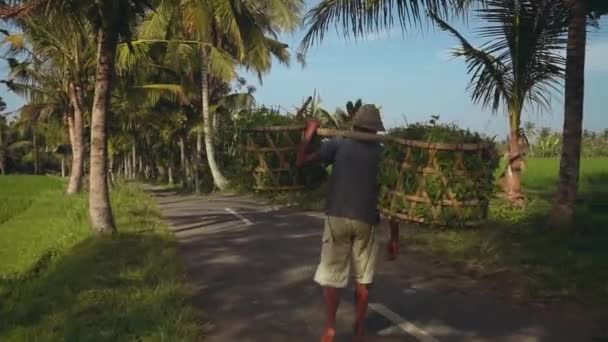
[{"x": 353, "y": 184}]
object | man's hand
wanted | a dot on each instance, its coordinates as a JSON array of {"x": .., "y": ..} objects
[
  {"x": 303, "y": 157},
  {"x": 393, "y": 249},
  {"x": 311, "y": 129}
]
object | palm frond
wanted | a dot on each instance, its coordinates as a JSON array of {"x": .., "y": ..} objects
[
  {"x": 358, "y": 18},
  {"x": 197, "y": 17},
  {"x": 221, "y": 64},
  {"x": 236, "y": 102},
  {"x": 489, "y": 83},
  {"x": 171, "y": 92},
  {"x": 133, "y": 55}
]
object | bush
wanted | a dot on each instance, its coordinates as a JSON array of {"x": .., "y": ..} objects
[{"x": 445, "y": 186}]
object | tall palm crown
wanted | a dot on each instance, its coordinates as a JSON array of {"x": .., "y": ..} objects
[
  {"x": 521, "y": 59},
  {"x": 54, "y": 52}
]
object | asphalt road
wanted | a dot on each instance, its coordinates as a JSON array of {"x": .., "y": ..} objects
[{"x": 252, "y": 267}]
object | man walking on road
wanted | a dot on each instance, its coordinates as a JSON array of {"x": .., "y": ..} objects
[{"x": 352, "y": 215}]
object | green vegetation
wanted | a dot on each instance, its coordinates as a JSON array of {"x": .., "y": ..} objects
[
  {"x": 548, "y": 143},
  {"x": 17, "y": 198},
  {"x": 59, "y": 283},
  {"x": 550, "y": 264}
]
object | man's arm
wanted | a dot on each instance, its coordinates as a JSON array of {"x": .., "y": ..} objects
[
  {"x": 326, "y": 153},
  {"x": 304, "y": 157}
]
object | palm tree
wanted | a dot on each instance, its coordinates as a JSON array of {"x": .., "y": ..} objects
[
  {"x": 247, "y": 34},
  {"x": 312, "y": 109},
  {"x": 63, "y": 55},
  {"x": 529, "y": 129},
  {"x": 41, "y": 86},
  {"x": 111, "y": 19},
  {"x": 345, "y": 116},
  {"x": 567, "y": 191},
  {"x": 221, "y": 38},
  {"x": 517, "y": 66}
]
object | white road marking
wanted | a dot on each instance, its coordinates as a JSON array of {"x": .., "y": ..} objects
[
  {"x": 401, "y": 323},
  {"x": 243, "y": 219},
  {"x": 392, "y": 330},
  {"x": 270, "y": 209},
  {"x": 316, "y": 215}
]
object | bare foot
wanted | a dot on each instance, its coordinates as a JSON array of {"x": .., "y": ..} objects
[{"x": 328, "y": 335}]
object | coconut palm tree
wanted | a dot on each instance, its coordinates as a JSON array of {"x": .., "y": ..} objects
[
  {"x": 63, "y": 50},
  {"x": 248, "y": 35},
  {"x": 217, "y": 38},
  {"x": 518, "y": 66},
  {"x": 42, "y": 86},
  {"x": 111, "y": 19},
  {"x": 114, "y": 19},
  {"x": 343, "y": 117},
  {"x": 567, "y": 191}
]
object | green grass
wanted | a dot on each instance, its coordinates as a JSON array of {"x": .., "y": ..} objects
[
  {"x": 550, "y": 264},
  {"x": 18, "y": 192},
  {"x": 57, "y": 282},
  {"x": 541, "y": 174}
]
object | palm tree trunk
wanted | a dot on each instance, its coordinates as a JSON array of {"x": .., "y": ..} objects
[
  {"x": 62, "y": 165},
  {"x": 197, "y": 163},
  {"x": 514, "y": 164},
  {"x": 219, "y": 179},
  {"x": 35, "y": 147},
  {"x": 76, "y": 127},
  {"x": 102, "y": 220},
  {"x": 567, "y": 191},
  {"x": 182, "y": 155},
  {"x": 126, "y": 167},
  {"x": 170, "y": 174},
  {"x": 133, "y": 162},
  {"x": 111, "y": 170}
]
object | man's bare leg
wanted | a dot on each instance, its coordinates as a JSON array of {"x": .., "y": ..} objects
[
  {"x": 331, "y": 297},
  {"x": 361, "y": 300}
]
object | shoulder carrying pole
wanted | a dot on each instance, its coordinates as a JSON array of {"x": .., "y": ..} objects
[{"x": 325, "y": 132}]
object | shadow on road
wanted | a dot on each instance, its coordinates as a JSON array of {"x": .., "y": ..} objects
[{"x": 255, "y": 282}]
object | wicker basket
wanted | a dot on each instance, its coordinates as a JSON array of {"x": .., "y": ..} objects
[
  {"x": 415, "y": 204},
  {"x": 273, "y": 150}
]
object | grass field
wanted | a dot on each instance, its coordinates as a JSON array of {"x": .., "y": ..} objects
[
  {"x": 59, "y": 283},
  {"x": 551, "y": 265}
]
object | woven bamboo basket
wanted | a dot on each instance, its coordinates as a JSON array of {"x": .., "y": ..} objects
[
  {"x": 273, "y": 150},
  {"x": 430, "y": 192}
]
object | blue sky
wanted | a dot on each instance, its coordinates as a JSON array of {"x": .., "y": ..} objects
[{"x": 411, "y": 77}]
